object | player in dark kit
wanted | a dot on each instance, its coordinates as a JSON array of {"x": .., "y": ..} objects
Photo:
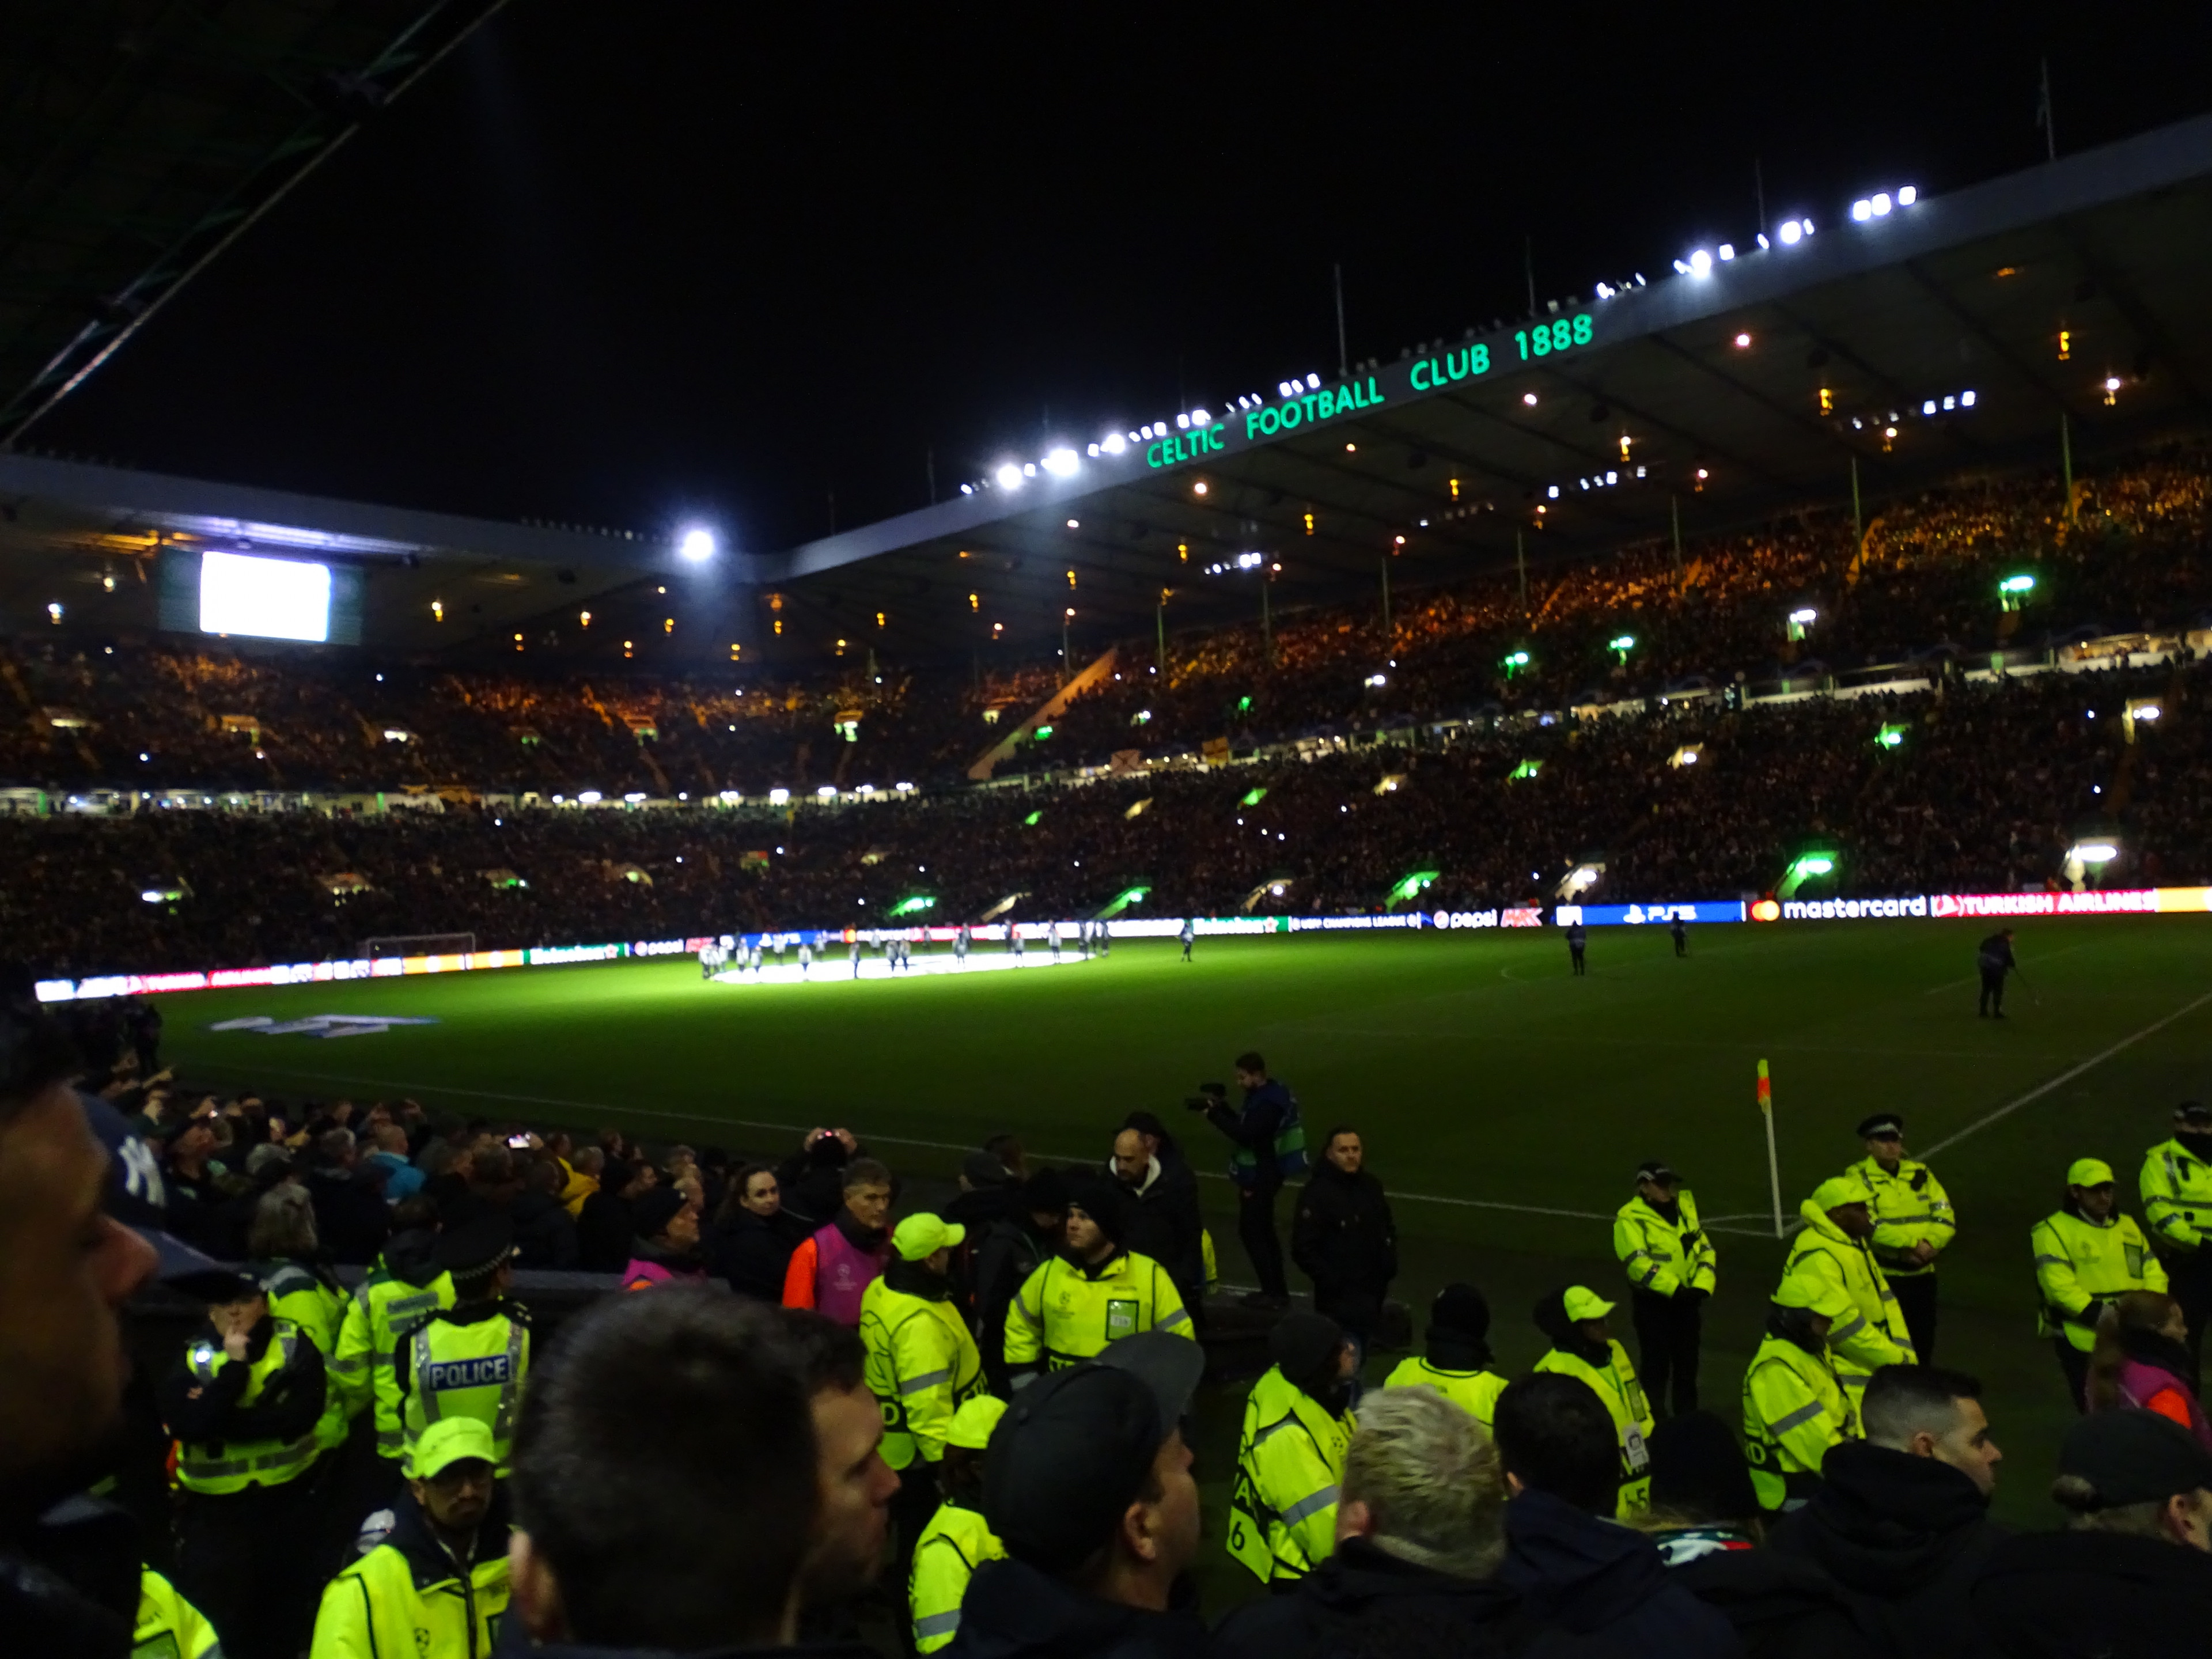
[
  {"x": 1681, "y": 936},
  {"x": 1995, "y": 960},
  {"x": 1576, "y": 939}
]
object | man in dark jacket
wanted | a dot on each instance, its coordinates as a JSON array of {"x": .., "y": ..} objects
[
  {"x": 1089, "y": 1489},
  {"x": 1165, "y": 1223},
  {"x": 352, "y": 1217},
  {"x": 1707, "y": 1527},
  {"x": 1265, "y": 1135},
  {"x": 606, "y": 1226},
  {"x": 1574, "y": 1566},
  {"x": 544, "y": 1232},
  {"x": 1343, "y": 1239},
  {"x": 1901, "y": 1519},
  {"x": 753, "y": 1235},
  {"x": 1012, "y": 1248},
  {"x": 1994, "y": 959},
  {"x": 1420, "y": 1530},
  {"x": 2130, "y": 1575},
  {"x": 1177, "y": 1190}
]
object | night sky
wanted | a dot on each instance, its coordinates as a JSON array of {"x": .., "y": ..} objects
[{"x": 628, "y": 264}]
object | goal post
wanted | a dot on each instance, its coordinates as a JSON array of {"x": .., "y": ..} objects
[{"x": 419, "y": 945}]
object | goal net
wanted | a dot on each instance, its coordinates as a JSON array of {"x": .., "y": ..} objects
[{"x": 419, "y": 945}]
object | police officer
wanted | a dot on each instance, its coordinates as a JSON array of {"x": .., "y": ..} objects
[
  {"x": 2176, "y": 1185},
  {"x": 1672, "y": 1270},
  {"x": 405, "y": 1285},
  {"x": 957, "y": 1538},
  {"x": 1832, "y": 1258},
  {"x": 1793, "y": 1407},
  {"x": 1289, "y": 1457},
  {"x": 435, "y": 1586},
  {"x": 1913, "y": 1222},
  {"x": 1584, "y": 1349},
  {"x": 243, "y": 1404},
  {"x": 2087, "y": 1253},
  {"x": 469, "y": 1359},
  {"x": 1093, "y": 1293},
  {"x": 921, "y": 1362},
  {"x": 1458, "y": 1364},
  {"x": 1994, "y": 959}
]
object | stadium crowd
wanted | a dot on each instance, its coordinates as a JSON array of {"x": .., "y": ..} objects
[
  {"x": 1984, "y": 788},
  {"x": 801, "y": 1400}
]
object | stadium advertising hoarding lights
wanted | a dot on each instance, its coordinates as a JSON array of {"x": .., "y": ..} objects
[{"x": 1431, "y": 372}]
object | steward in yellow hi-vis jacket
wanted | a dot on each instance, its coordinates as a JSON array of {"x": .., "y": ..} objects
[
  {"x": 1794, "y": 1408},
  {"x": 469, "y": 1359},
  {"x": 1833, "y": 1252},
  {"x": 1458, "y": 1364},
  {"x": 957, "y": 1539},
  {"x": 168, "y": 1626},
  {"x": 2176, "y": 1185},
  {"x": 2087, "y": 1253},
  {"x": 1094, "y": 1293},
  {"x": 436, "y": 1586},
  {"x": 1289, "y": 1457},
  {"x": 304, "y": 1293},
  {"x": 1672, "y": 1268},
  {"x": 1581, "y": 1347},
  {"x": 405, "y": 1285},
  {"x": 922, "y": 1362},
  {"x": 1913, "y": 1222}
]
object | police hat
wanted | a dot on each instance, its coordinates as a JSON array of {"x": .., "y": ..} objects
[
  {"x": 1882, "y": 1126},
  {"x": 1656, "y": 1170},
  {"x": 478, "y": 1249},
  {"x": 2193, "y": 1115},
  {"x": 1076, "y": 1447}
]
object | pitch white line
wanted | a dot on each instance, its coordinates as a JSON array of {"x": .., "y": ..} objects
[
  {"x": 2064, "y": 1078},
  {"x": 800, "y": 1129}
]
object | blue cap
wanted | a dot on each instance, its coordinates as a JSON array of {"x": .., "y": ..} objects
[{"x": 136, "y": 1198}]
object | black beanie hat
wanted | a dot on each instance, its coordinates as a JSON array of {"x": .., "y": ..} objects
[
  {"x": 1045, "y": 1193},
  {"x": 1304, "y": 1345},
  {"x": 1462, "y": 1309},
  {"x": 1106, "y": 1202},
  {"x": 1699, "y": 1471}
]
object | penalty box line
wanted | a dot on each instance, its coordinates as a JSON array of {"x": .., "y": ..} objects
[
  {"x": 2065, "y": 1077},
  {"x": 435, "y": 1088}
]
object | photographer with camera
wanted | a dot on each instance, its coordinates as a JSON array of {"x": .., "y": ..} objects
[{"x": 1270, "y": 1144}]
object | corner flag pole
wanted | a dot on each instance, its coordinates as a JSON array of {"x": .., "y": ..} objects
[{"x": 1773, "y": 1163}]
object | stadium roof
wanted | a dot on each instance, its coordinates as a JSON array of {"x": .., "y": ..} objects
[
  {"x": 141, "y": 139},
  {"x": 1753, "y": 388}
]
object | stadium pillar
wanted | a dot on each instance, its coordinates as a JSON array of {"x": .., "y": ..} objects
[{"x": 2066, "y": 461}]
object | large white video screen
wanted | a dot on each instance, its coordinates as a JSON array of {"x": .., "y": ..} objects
[{"x": 264, "y": 598}]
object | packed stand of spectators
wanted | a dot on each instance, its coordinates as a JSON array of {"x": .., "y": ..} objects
[{"x": 1985, "y": 790}]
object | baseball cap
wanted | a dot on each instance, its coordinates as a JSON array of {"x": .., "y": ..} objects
[
  {"x": 1882, "y": 1126},
  {"x": 1075, "y": 1448},
  {"x": 136, "y": 1198},
  {"x": 974, "y": 1423},
  {"x": 1839, "y": 1190},
  {"x": 1803, "y": 1291},
  {"x": 1654, "y": 1168},
  {"x": 1586, "y": 1304},
  {"x": 920, "y": 1236},
  {"x": 2195, "y": 1114},
  {"x": 447, "y": 1442},
  {"x": 2134, "y": 1457},
  {"x": 2088, "y": 1172}
]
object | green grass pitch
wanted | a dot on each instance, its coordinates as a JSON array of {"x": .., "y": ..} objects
[{"x": 1482, "y": 1074}]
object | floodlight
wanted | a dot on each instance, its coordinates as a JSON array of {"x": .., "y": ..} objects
[
  {"x": 1202, "y": 417},
  {"x": 1701, "y": 264},
  {"x": 590, "y": 797},
  {"x": 1906, "y": 196},
  {"x": 2148, "y": 711},
  {"x": 1816, "y": 864},
  {"x": 2017, "y": 585},
  {"x": 1115, "y": 444},
  {"x": 1009, "y": 477},
  {"x": 2096, "y": 852},
  {"x": 779, "y": 797},
  {"x": 1880, "y": 203},
  {"x": 1728, "y": 250},
  {"x": 1863, "y": 209},
  {"x": 1622, "y": 642},
  {"x": 1965, "y": 400},
  {"x": 1313, "y": 382},
  {"x": 1804, "y": 619},
  {"x": 828, "y": 792},
  {"x": 1791, "y": 231},
  {"x": 696, "y": 544}
]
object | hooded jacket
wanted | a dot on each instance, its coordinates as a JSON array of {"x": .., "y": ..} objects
[
  {"x": 1014, "y": 1612},
  {"x": 1601, "y": 1580},
  {"x": 1363, "y": 1592},
  {"x": 2061, "y": 1594},
  {"x": 1906, "y": 1534},
  {"x": 1782, "y": 1607}
]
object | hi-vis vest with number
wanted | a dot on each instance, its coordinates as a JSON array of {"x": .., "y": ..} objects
[
  {"x": 921, "y": 1365},
  {"x": 452, "y": 1367},
  {"x": 1290, "y": 1467},
  {"x": 383, "y": 1305},
  {"x": 228, "y": 1465},
  {"x": 2081, "y": 1264},
  {"x": 1617, "y": 1385}
]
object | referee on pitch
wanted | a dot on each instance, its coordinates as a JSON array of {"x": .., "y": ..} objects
[{"x": 1995, "y": 960}]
